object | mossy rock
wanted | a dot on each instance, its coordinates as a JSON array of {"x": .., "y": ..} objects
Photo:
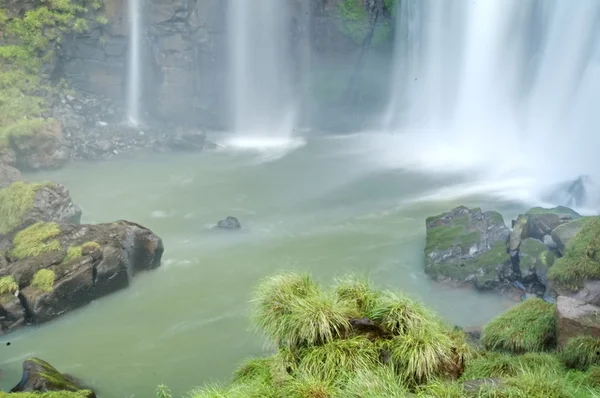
[
  {"x": 563, "y": 234},
  {"x": 466, "y": 245},
  {"x": 537, "y": 223},
  {"x": 561, "y": 211},
  {"x": 527, "y": 327},
  {"x": 581, "y": 352},
  {"x": 40, "y": 376},
  {"x": 581, "y": 259},
  {"x": 535, "y": 261}
]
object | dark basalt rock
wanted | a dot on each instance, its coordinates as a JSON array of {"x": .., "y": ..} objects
[
  {"x": 229, "y": 223},
  {"x": 40, "y": 376}
]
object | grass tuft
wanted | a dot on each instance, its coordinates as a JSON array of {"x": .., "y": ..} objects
[
  {"x": 8, "y": 285},
  {"x": 581, "y": 352},
  {"x": 44, "y": 280},
  {"x": 527, "y": 327},
  {"x": 493, "y": 364},
  {"x": 399, "y": 315},
  {"x": 340, "y": 358},
  {"x": 36, "y": 240},
  {"x": 292, "y": 311},
  {"x": 379, "y": 383}
]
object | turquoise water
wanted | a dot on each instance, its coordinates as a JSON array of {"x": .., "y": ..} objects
[{"x": 324, "y": 207}]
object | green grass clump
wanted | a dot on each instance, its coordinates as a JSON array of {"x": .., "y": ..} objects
[
  {"x": 73, "y": 252},
  {"x": 581, "y": 260},
  {"x": 36, "y": 240},
  {"x": 581, "y": 352},
  {"x": 16, "y": 200},
  {"x": 8, "y": 285},
  {"x": 380, "y": 383},
  {"x": 340, "y": 358},
  {"x": 292, "y": 311},
  {"x": 493, "y": 364},
  {"x": 527, "y": 327},
  {"x": 44, "y": 280},
  {"x": 49, "y": 394}
]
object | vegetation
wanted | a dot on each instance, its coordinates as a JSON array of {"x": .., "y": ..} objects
[
  {"x": 355, "y": 21},
  {"x": 75, "y": 252},
  {"x": 16, "y": 201},
  {"x": 558, "y": 210},
  {"x": 44, "y": 280},
  {"x": 36, "y": 240},
  {"x": 391, "y": 346},
  {"x": 581, "y": 352},
  {"x": 8, "y": 285},
  {"x": 527, "y": 327},
  {"x": 50, "y": 394},
  {"x": 581, "y": 260},
  {"x": 34, "y": 37}
]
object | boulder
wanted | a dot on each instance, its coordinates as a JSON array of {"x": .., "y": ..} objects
[
  {"x": 562, "y": 234},
  {"x": 40, "y": 376},
  {"x": 576, "y": 318},
  {"x": 41, "y": 148},
  {"x": 58, "y": 268},
  {"x": 538, "y": 223},
  {"x": 22, "y": 204},
  {"x": 7, "y": 155},
  {"x": 467, "y": 245},
  {"x": 534, "y": 261},
  {"x": 229, "y": 223},
  {"x": 576, "y": 273},
  {"x": 8, "y": 175}
]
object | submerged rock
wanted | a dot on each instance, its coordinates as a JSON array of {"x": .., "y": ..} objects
[
  {"x": 58, "y": 268},
  {"x": 182, "y": 140},
  {"x": 40, "y": 376},
  {"x": 467, "y": 245},
  {"x": 229, "y": 223},
  {"x": 576, "y": 318}
]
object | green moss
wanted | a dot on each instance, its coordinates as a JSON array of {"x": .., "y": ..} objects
[
  {"x": 44, "y": 280},
  {"x": 16, "y": 201},
  {"x": 36, "y": 240},
  {"x": 527, "y": 327},
  {"x": 8, "y": 285},
  {"x": 581, "y": 352},
  {"x": 75, "y": 252},
  {"x": 559, "y": 210},
  {"x": 91, "y": 246},
  {"x": 445, "y": 236},
  {"x": 532, "y": 253},
  {"x": 581, "y": 260}
]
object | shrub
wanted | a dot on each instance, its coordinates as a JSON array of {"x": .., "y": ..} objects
[{"x": 527, "y": 327}]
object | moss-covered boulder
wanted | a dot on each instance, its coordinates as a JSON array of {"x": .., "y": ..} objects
[
  {"x": 538, "y": 223},
  {"x": 577, "y": 272},
  {"x": 8, "y": 175},
  {"x": 39, "y": 145},
  {"x": 57, "y": 268},
  {"x": 23, "y": 204},
  {"x": 565, "y": 232},
  {"x": 534, "y": 261},
  {"x": 41, "y": 377},
  {"x": 467, "y": 245}
]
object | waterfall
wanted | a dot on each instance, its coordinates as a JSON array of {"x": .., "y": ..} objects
[
  {"x": 134, "y": 78},
  {"x": 261, "y": 72},
  {"x": 498, "y": 87}
]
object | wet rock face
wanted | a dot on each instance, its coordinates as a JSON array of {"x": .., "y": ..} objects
[
  {"x": 576, "y": 318},
  {"x": 46, "y": 149},
  {"x": 467, "y": 245},
  {"x": 60, "y": 268},
  {"x": 40, "y": 376}
]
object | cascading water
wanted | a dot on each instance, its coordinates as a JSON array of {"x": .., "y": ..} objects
[
  {"x": 261, "y": 73},
  {"x": 134, "y": 79},
  {"x": 498, "y": 89}
]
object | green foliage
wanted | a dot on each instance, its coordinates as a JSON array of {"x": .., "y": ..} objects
[
  {"x": 16, "y": 201},
  {"x": 379, "y": 383},
  {"x": 8, "y": 285},
  {"x": 527, "y": 327},
  {"x": 34, "y": 37},
  {"x": 163, "y": 391},
  {"x": 73, "y": 253},
  {"x": 49, "y": 394},
  {"x": 581, "y": 260},
  {"x": 581, "y": 352},
  {"x": 36, "y": 240},
  {"x": 44, "y": 280}
]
